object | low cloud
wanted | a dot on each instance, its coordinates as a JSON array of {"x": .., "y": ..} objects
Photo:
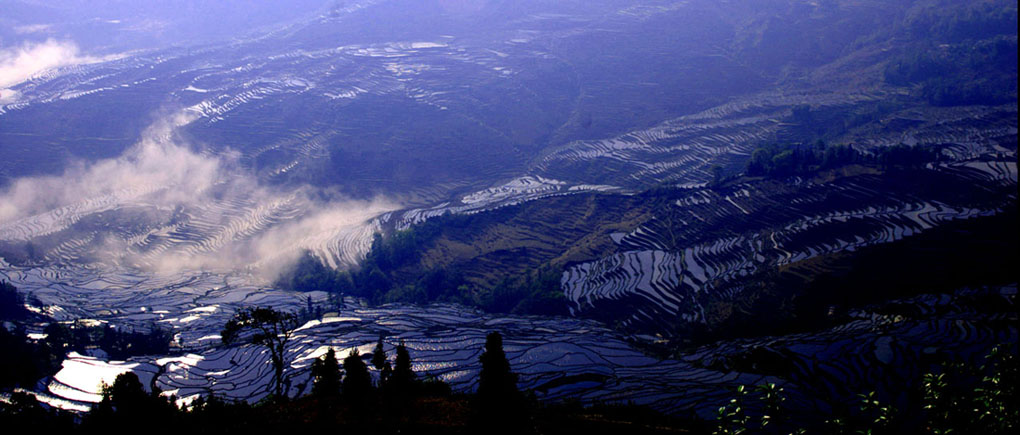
[
  {"x": 167, "y": 206},
  {"x": 18, "y": 64},
  {"x": 150, "y": 165},
  {"x": 8, "y": 96},
  {"x": 321, "y": 229}
]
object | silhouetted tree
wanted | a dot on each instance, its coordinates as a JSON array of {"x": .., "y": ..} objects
[
  {"x": 126, "y": 394},
  {"x": 403, "y": 379},
  {"x": 379, "y": 355},
  {"x": 386, "y": 374},
  {"x": 326, "y": 375},
  {"x": 125, "y": 404},
  {"x": 357, "y": 381},
  {"x": 496, "y": 380},
  {"x": 271, "y": 329},
  {"x": 500, "y": 405},
  {"x": 12, "y": 303},
  {"x": 23, "y": 410},
  {"x": 25, "y": 361}
]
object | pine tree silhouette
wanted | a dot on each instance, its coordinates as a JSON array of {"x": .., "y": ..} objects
[
  {"x": 357, "y": 382},
  {"x": 326, "y": 375},
  {"x": 496, "y": 380},
  {"x": 500, "y": 406},
  {"x": 404, "y": 378},
  {"x": 379, "y": 355}
]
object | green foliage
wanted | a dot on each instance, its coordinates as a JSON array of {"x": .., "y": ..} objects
[
  {"x": 966, "y": 57},
  {"x": 975, "y": 21},
  {"x": 310, "y": 274},
  {"x": 870, "y": 417},
  {"x": 404, "y": 247},
  {"x": 997, "y": 402},
  {"x": 432, "y": 386},
  {"x": 430, "y": 408},
  {"x": 966, "y": 399},
  {"x": 434, "y": 285},
  {"x": 538, "y": 292},
  {"x": 376, "y": 280},
  {"x": 391, "y": 273},
  {"x": 876, "y": 417},
  {"x": 20, "y": 254},
  {"x": 787, "y": 160},
  {"x": 25, "y": 361},
  {"x": 118, "y": 344},
  {"x": 903, "y": 156},
  {"x": 717, "y": 175},
  {"x": 265, "y": 327},
  {"x": 732, "y": 418},
  {"x": 772, "y": 411},
  {"x": 382, "y": 277},
  {"x": 961, "y": 399},
  {"x": 28, "y": 360}
]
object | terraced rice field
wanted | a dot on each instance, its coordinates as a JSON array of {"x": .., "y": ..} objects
[
  {"x": 556, "y": 358},
  {"x": 667, "y": 268},
  {"x": 427, "y": 120}
]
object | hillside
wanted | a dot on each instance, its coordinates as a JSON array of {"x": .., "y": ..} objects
[{"x": 664, "y": 206}]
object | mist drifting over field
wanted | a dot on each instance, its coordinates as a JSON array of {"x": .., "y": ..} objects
[
  {"x": 161, "y": 176},
  {"x": 658, "y": 204}
]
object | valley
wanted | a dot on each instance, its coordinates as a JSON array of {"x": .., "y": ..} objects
[{"x": 578, "y": 176}]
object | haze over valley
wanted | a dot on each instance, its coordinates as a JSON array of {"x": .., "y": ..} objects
[{"x": 654, "y": 202}]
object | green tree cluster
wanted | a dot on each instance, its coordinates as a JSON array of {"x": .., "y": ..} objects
[
  {"x": 25, "y": 361},
  {"x": 118, "y": 344},
  {"x": 12, "y": 303},
  {"x": 390, "y": 273},
  {"x": 967, "y": 57},
  {"x": 310, "y": 274},
  {"x": 538, "y": 292},
  {"x": 125, "y": 404},
  {"x": 781, "y": 160},
  {"x": 22, "y": 410}
]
